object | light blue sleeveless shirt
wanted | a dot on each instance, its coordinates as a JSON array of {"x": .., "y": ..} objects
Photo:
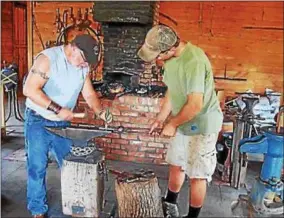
[{"x": 64, "y": 84}]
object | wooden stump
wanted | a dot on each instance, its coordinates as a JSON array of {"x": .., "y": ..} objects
[
  {"x": 82, "y": 187},
  {"x": 140, "y": 198}
]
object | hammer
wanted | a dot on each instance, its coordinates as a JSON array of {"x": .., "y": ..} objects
[
  {"x": 84, "y": 115},
  {"x": 80, "y": 115}
]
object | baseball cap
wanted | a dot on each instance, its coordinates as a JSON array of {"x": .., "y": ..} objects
[
  {"x": 89, "y": 46},
  {"x": 159, "y": 38}
]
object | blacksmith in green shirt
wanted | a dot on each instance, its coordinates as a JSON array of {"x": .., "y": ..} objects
[{"x": 191, "y": 114}]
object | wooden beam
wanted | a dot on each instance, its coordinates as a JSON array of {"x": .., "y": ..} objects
[
  {"x": 30, "y": 33},
  {"x": 263, "y": 28}
]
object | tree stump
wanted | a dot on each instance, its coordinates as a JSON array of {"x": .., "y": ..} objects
[
  {"x": 138, "y": 195},
  {"x": 82, "y": 185}
]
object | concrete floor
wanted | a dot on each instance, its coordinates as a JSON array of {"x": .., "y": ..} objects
[{"x": 13, "y": 189}]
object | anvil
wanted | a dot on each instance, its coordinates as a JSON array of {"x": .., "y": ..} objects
[{"x": 80, "y": 134}]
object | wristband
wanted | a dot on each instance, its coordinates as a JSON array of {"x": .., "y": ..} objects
[{"x": 54, "y": 107}]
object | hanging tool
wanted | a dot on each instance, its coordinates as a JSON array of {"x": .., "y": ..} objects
[
  {"x": 58, "y": 22},
  {"x": 79, "y": 20},
  {"x": 86, "y": 21},
  {"x": 65, "y": 18},
  {"x": 72, "y": 17}
]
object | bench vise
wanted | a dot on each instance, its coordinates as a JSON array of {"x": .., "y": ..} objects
[{"x": 266, "y": 195}]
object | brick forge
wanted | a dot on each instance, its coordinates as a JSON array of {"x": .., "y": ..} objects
[
  {"x": 129, "y": 111},
  {"x": 124, "y": 29}
]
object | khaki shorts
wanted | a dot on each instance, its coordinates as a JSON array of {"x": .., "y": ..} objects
[{"x": 195, "y": 154}]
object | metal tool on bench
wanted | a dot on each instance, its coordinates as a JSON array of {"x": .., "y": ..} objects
[{"x": 266, "y": 195}]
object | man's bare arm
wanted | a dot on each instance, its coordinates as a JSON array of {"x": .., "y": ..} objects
[
  {"x": 36, "y": 79},
  {"x": 166, "y": 109},
  {"x": 91, "y": 96},
  {"x": 192, "y": 107}
]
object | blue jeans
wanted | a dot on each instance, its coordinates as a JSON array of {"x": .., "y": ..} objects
[{"x": 38, "y": 143}]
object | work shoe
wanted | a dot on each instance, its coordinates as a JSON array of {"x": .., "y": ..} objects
[{"x": 169, "y": 209}]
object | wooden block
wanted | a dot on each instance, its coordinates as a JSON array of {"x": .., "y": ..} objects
[{"x": 82, "y": 189}]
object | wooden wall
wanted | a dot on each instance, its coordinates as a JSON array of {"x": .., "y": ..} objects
[
  {"x": 7, "y": 31},
  {"x": 14, "y": 36},
  {"x": 246, "y": 37},
  {"x": 44, "y": 15}
]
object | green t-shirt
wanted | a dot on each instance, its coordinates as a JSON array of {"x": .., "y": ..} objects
[{"x": 191, "y": 72}]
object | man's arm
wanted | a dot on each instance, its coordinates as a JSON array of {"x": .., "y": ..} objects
[
  {"x": 192, "y": 107},
  {"x": 164, "y": 113},
  {"x": 38, "y": 76},
  {"x": 36, "y": 79},
  {"x": 166, "y": 109},
  {"x": 91, "y": 96}
]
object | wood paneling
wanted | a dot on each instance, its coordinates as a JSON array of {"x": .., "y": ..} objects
[
  {"x": 222, "y": 29},
  {"x": 14, "y": 35},
  {"x": 20, "y": 39},
  {"x": 7, "y": 31},
  {"x": 247, "y": 37},
  {"x": 44, "y": 15}
]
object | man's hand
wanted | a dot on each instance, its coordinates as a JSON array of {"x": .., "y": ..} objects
[
  {"x": 169, "y": 130},
  {"x": 65, "y": 114},
  {"x": 162, "y": 116},
  {"x": 154, "y": 126},
  {"x": 106, "y": 115}
]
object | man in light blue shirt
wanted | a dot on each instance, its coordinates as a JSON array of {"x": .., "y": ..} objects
[{"x": 57, "y": 77}]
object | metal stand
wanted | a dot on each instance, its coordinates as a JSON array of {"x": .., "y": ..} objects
[
  {"x": 243, "y": 128},
  {"x": 9, "y": 84},
  {"x": 13, "y": 104}
]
